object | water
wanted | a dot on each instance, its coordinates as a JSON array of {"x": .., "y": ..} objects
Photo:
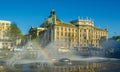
[{"x": 103, "y": 65}]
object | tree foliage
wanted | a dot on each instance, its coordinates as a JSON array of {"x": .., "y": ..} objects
[
  {"x": 34, "y": 36},
  {"x": 116, "y": 37},
  {"x": 14, "y": 32}
]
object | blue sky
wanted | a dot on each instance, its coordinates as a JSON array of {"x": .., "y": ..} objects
[{"x": 26, "y": 13}]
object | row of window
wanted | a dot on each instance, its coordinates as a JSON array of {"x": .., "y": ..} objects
[
  {"x": 75, "y": 35},
  {"x": 65, "y": 29},
  {"x": 81, "y": 30},
  {"x": 5, "y": 28},
  {"x": 65, "y": 34},
  {"x": 5, "y": 24}
]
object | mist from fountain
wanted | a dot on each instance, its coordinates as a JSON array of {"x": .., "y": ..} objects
[
  {"x": 29, "y": 54},
  {"x": 49, "y": 53}
]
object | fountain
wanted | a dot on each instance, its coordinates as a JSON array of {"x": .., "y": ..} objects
[{"x": 48, "y": 59}]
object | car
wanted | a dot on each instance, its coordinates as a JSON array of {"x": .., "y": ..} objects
[{"x": 64, "y": 60}]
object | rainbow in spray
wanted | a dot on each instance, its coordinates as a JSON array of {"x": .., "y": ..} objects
[{"x": 44, "y": 53}]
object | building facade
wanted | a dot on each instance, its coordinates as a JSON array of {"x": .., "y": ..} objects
[
  {"x": 79, "y": 32},
  {"x": 4, "y": 28}
]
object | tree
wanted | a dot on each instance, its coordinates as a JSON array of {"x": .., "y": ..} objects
[
  {"x": 24, "y": 39},
  {"x": 117, "y": 38},
  {"x": 14, "y": 33},
  {"x": 34, "y": 36}
]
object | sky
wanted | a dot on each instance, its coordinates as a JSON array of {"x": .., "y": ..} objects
[{"x": 27, "y": 13}]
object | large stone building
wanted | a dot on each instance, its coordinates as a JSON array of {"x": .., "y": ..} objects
[
  {"x": 78, "y": 32},
  {"x": 4, "y": 28}
]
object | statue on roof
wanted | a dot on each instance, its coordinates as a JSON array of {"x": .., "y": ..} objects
[{"x": 52, "y": 12}]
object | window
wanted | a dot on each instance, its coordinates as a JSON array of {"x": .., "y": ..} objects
[
  {"x": 84, "y": 37},
  {"x": 61, "y": 28},
  {"x": 7, "y": 23},
  {"x": 57, "y": 28},
  {"x": 69, "y": 29},
  {"x": 61, "y": 33},
  {"x": 72, "y": 29},
  {"x": 84, "y": 30},
  {"x": 58, "y": 33}
]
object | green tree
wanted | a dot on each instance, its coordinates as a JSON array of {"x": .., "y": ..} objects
[
  {"x": 34, "y": 36},
  {"x": 117, "y": 38},
  {"x": 14, "y": 33}
]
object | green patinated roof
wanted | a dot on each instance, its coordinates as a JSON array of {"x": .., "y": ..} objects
[{"x": 51, "y": 17}]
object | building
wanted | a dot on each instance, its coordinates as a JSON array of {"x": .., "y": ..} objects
[
  {"x": 79, "y": 32},
  {"x": 4, "y": 28},
  {"x": 34, "y": 31}
]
